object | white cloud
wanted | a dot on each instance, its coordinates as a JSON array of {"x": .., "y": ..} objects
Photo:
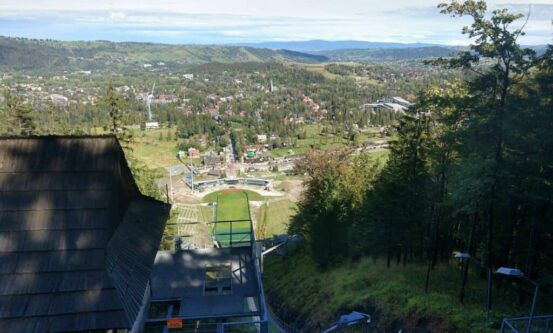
[{"x": 377, "y": 20}]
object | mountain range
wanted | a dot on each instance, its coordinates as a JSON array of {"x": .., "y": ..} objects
[
  {"x": 325, "y": 45},
  {"x": 47, "y": 55},
  {"x": 44, "y": 55}
]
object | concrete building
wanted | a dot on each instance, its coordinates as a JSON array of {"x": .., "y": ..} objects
[
  {"x": 151, "y": 125},
  {"x": 401, "y": 101},
  {"x": 393, "y": 107},
  {"x": 59, "y": 100},
  {"x": 261, "y": 138}
]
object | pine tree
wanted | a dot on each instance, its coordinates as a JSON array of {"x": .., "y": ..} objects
[
  {"x": 115, "y": 106},
  {"x": 21, "y": 116},
  {"x": 491, "y": 92}
]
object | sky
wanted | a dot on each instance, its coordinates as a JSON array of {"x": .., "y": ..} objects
[{"x": 236, "y": 21}]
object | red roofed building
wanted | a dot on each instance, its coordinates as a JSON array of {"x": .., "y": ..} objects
[{"x": 193, "y": 152}]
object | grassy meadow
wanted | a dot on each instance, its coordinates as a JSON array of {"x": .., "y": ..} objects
[
  {"x": 274, "y": 217},
  {"x": 151, "y": 151},
  {"x": 390, "y": 294}
]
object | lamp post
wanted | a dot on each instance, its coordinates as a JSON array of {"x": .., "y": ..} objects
[
  {"x": 190, "y": 167},
  {"x": 515, "y": 272},
  {"x": 170, "y": 170},
  {"x": 354, "y": 318},
  {"x": 467, "y": 256},
  {"x": 171, "y": 184}
]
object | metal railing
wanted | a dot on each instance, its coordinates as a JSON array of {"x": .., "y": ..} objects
[
  {"x": 230, "y": 233},
  {"x": 540, "y": 324},
  {"x": 237, "y": 234},
  {"x": 281, "y": 324},
  {"x": 256, "y": 253}
]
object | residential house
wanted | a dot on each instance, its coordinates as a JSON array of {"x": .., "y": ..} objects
[
  {"x": 151, "y": 125},
  {"x": 193, "y": 153},
  {"x": 211, "y": 159}
]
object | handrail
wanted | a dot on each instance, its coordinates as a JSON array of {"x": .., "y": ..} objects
[
  {"x": 262, "y": 302},
  {"x": 526, "y": 318},
  {"x": 508, "y": 323},
  {"x": 229, "y": 221},
  {"x": 505, "y": 322},
  {"x": 236, "y": 237},
  {"x": 198, "y": 317},
  {"x": 285, "y": 326},
  {"x": 241, "y": 239}
]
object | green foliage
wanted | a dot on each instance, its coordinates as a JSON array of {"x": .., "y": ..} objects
[
  {"x": 145, "y": 178},
  {"x": 334, "y": 189},
  {"x": 274, "y": 218},
  {"x": 381, "y": 228},
  {"x": 115, "y": 106},
  {"x": 19, "y": 116},
  {"x": 394, "y": 296},
  {"x": 49, "y": 55},
  {"x": 199, "y": 124},
  {"x": 470, "y": 169},
  {"x": 382, "y": 55}
]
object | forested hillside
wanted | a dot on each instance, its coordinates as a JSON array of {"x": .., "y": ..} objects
[
  {"x": 325, "y": 45},
  {"x": 44, "y": 55},
  {"x": 380, "y": 55},
  {"x": 399, "y": 54},
  {"x": 470, "y": 171}
]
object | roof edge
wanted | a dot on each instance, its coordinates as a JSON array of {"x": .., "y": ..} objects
[{"x": 55, "y": 136}]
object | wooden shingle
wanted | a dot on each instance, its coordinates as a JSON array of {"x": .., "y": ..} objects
[{"x": 77, "y": 238}]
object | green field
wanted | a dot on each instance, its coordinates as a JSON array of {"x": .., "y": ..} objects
[
  {"x": 381, "y": 154},
  {"x": 232, "y": 205},
  {"x": 153, "y": 152},
  {"x": 274, "y": 218},
  {"x": 252, "y": 196},
  {"x": 316, "y": 140}
]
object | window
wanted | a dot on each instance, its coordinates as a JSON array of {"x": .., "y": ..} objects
[{"x": 218, "y": 280}]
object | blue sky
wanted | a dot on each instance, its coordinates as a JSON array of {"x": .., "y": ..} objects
[{"x": 232, "y": 21}]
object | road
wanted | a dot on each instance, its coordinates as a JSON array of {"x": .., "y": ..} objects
[{"x": 231, "y": 162}]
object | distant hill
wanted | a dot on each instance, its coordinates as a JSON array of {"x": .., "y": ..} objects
[
  {"x": 380, "y": 55},
  {"x": 31, "y": 54},
  {"x": 47, "y": 55},
  {"x": 325, "y": 45},
  {"x": 389, "y": 54}
]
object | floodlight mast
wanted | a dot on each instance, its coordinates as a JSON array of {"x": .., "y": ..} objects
[
  {"x": 354, "y": 318},
  {"x": 468, "y": 256},
  {"x": 149, "y": 102}
]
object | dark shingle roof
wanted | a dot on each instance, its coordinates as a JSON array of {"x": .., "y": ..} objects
[
  {"x": 182, "y": 275},
  {"x": 77, "y": 239}
]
